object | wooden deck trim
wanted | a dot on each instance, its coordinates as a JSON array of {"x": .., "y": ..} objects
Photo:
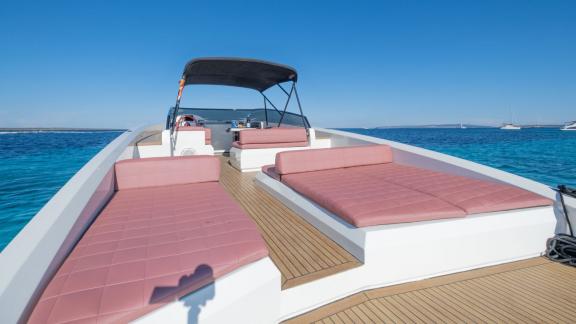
[
  {"x": 533, "y": 290},
  {"x": 300, "y": 251}
]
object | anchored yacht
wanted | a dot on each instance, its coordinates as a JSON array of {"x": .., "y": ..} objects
[
  {"x": 510, "y": 126},
  {"x": 569, "y": 126},
  {"x": 256, "y": 216}
]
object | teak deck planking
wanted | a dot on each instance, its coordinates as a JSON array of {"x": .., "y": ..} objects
[
  {"x": 300, "y": 251},
  {"x": 530, "y": 291}
]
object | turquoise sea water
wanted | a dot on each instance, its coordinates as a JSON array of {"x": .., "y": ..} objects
[
  {"x": 34, "y": 166},
  {"x": 545, "y": 155}
]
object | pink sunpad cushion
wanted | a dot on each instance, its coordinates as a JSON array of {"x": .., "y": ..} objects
[
  {"x": 362, "y": 185},
  {"x": 364, "y": 201},
  {"x": 391, "y": 193},
  {"x": 472, "y": 195},
  {"x": 148, "y": 247}
]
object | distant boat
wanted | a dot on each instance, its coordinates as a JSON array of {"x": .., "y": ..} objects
[
  {"x": 462, "y": 126},
  {"x": 571, "y": 126},
  {"x": 510, "y": 126}
]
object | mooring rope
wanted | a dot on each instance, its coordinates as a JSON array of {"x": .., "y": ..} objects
[{"x": 562, "y": 247}]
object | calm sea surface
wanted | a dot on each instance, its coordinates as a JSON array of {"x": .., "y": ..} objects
[{"x": 34, "y": 166}]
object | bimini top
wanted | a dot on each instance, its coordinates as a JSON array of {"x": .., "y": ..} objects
[{"x": 239, "y": 72}]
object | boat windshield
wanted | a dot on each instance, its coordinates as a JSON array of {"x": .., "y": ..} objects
[{"x": 226, "y": 116}]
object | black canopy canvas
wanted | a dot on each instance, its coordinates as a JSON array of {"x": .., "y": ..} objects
[
  {"x": 247, "y": 73},
  {"x": 240, "y": 72}
]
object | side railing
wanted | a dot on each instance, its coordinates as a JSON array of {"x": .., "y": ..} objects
[{"x": 33, "y": 256}]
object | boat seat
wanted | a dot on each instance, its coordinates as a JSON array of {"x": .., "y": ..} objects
[
  {"x": 169, "y": 230},
  {"x": 271, "y": 138},
  {"x": 207, "y": 132},
  {"x": 363, "y": 186}
]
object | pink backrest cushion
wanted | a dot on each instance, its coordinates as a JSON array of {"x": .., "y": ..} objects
[
  {"x": 273, "y": 135},
  {"x": 166, "y": 171},
  {"x": 331, "y": 158}
]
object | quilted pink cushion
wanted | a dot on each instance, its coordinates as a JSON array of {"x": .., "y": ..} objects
[
  {"x": 166, "y": 171},
  {"x": 472, "y": 195},
  {"x": 391, "y": 193},
  {"x": 331, "y": 158},
  {"x": 365, "y": 201},
  {"x": 148, "y": 247},
  {"x": 273, "y": 136}
]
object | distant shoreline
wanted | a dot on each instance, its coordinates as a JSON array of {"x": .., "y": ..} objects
[
  {"x": 58, "y": 129},
  {"x": 457, "y": 126},
  {"x": 66, "y": 129}
]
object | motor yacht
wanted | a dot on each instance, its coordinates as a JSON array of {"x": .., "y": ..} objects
[
  {"x": 510, "y": 126},
  {"x": 256, "y": 216},
  {"x": 569, "y": 126}
]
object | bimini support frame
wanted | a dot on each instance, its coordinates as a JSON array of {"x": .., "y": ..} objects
[
  {"x": 172, "y": 121},
  {"x": 239, "y": 72},
  {"x": 182, "y": 83},
  {"x": 282, "y": 113}
]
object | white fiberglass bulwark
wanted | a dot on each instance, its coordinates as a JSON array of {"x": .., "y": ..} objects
[{"x": 30, "y": 260}]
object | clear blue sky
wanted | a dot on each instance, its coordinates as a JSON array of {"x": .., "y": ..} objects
[{"x": 117, "y": 63}]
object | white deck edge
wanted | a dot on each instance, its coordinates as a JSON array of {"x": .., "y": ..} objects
[{"x": 37, "y": 251}]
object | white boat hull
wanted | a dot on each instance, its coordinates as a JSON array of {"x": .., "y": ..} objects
[{"x": 33, "y": 256}]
